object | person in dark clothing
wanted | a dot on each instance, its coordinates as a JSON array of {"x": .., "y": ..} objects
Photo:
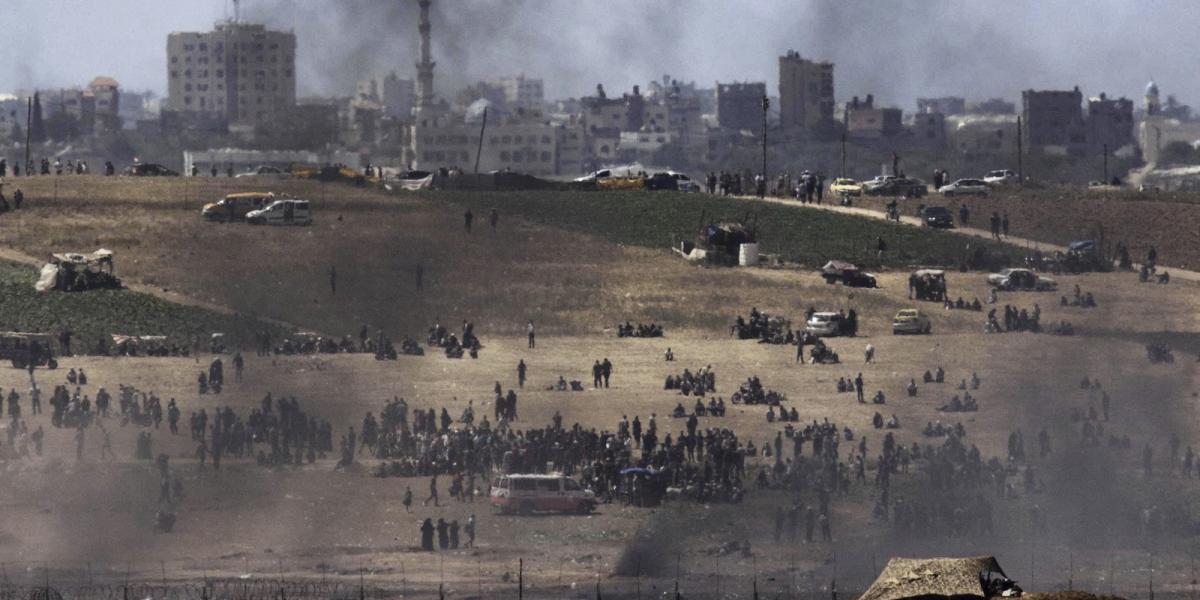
[
  {"x": 494, "y": 219},
  {"x": 443, "y": 531},
  {"x": 454, "y": 534},
  {"x": 606, "y": 369},
  {"x": 427, "y": 535},
  {"x": 858, "y": 388},
  {"x": 467, "y": 218},
  {"x": 597, "y": 374},
  {"x": 333, "y": 280},
  {"x": 521, "y": 368},
  {"x": 18, "y": 198}
]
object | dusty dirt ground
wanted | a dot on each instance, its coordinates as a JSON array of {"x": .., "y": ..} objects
[{"x": 314, "y": 522}]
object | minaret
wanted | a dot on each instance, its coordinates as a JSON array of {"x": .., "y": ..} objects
[{"x": 425, "y": 67}]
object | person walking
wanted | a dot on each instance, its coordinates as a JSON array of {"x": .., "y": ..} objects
[
  {"x": 530, "y": 331},
  {"x": 521, "y": 368}
]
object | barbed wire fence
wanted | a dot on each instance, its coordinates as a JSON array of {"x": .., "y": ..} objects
[{"x": 1137, "y": 577}]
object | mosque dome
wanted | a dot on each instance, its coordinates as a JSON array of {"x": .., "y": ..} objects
[{"x": 1152, "y": 89}]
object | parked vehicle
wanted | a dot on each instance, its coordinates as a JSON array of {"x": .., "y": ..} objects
[
  {"x": 149, "y": 170},
  {"x": 1021, "y": 279},
  {"x": 282, "y": 212},
  {"x": 896, "y": 186},
  {"x": 234, "y": 207},
  {"x": 845, "y": 187},
  {"x": 24, "y": 349},
  {"x": 1000, "y": 177},
  {"x": 662, "y": 182},
  {"x": 265, "y": 171},
  {"x": 847, "y": 273},
  {"x": 825, "y": 324},
  {"x": 965, "y": 187},
  {"x": 683, "y": 182},
  {"x": 937, "y": 216},
  {"x": 911, "y": 320},
  {"x": 526, "y": 494}
]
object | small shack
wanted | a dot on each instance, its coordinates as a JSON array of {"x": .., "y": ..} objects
[
  {"x": 941, "y": 578},
  {"x": 73, "y": 272}
]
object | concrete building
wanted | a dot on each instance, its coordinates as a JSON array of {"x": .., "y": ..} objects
[
  {"x": 946, "y": 105},
  {"x": 739, "y": 105},
  {"x": 806, "y": 98},
  {"x": 239, "y": 73},
  {"x": 982, "y": 134},
  {"x": 523, "y": 93},
  {"x": 992, "y": 106},
  {"x": 1053, "y": 121},
  {"x": 1109, "y": 122},
  {"x": 395, "y": 96},
  {"x": 106, "y": 104},
  {"x": 928, "y": 128},
  {"x": 864, "y": 121}
]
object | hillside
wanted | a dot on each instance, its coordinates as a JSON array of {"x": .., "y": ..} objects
[{"x": 96, "y": 314}]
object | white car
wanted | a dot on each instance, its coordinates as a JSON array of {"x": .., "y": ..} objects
[
  {"x": 600, "y": 175},
  {"x": 965, "y": 187},
  {"x": 825, "y": 324},
  {"x": 910, "y": 320},
  {"x": 265, "y": 171},
  {"x": 1001, "y": 177},
  {"x": 282, "y": 212},
  {"x": 1021, "y": 279},
  {"x": 525, "y": 494},
  {"x": 685, "y": 183}
]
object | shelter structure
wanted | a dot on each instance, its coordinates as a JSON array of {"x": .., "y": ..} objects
[{"x": 937, "y": 578}]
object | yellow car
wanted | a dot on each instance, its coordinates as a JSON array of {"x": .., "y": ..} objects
[{"x": 846, "y": 187}]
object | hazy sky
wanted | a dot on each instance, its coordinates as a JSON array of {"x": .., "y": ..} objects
[{"x": 897, "y": 49}]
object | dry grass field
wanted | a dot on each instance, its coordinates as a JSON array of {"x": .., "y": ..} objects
[{"x": 312, "y": 522}]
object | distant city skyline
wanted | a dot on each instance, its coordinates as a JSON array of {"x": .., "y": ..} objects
[{"x": 971, "y": 49}]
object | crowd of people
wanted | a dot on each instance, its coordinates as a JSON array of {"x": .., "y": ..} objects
[
  {"x": 651, "y": 330},
  {"x": 703, "y": 381}
]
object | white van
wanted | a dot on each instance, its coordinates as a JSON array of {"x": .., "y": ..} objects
[
  {"x": 524, "y": 494},
  {"x": 282, "y": 212},
  {"x": 824, "y": 324}
]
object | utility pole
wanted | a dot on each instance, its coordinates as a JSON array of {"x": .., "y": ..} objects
[
  {"x": 1106, "y": 164},
  {"x": 28, "y": 129},
  {"x": 766, "y": 104},
  {"x": 1020, "y": 154},
  {"x": 479, "y": 152},
  {"x": 843, "y": 175}
]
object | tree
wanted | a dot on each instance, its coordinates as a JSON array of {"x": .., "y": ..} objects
[{"x": 37, "y": 130}]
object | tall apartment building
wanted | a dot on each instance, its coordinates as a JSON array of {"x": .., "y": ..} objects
[
  {"x": 805, "y": 92},
  {"x": 239, "y": 73},
  {"x": 1110, "y": 122},
  {"x": 739, "y": 105},
  {"x": 1054, "y": 118}
]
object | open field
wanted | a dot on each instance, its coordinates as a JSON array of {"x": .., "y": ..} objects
[
  {"x": 577, "y": 268},
  {"x": 1169, "y": 221}
]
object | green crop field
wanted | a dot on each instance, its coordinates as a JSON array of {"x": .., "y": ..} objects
[
  {"x": 94, "y": 314},
  {"x": 807, "y": 236}
]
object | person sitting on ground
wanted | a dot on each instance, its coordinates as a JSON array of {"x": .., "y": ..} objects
[
  {"x": 841, "y": 385},
  {"x": 976, "y": 306},
  {"x": 770, "y": 414},
  {"x": 877, "y": 421},
  {"x": 975, "y": 381},
  {"x": 561, "y": 385},
  {"x": 927, "y": 377},
  {"x": 794, "y": 416},
  {"x": 670, "y": 356},
  {"x": 962, "y": 385},
  {"x": 698, "y": 409},
  {"x": 1164, "y": 278},
  {"x": 940, "y": 375},
  {"x": 879, "y": 398},
  {"x": 912, "y": 387},
  {"x": 894, "y": 422},
  {"x": 992, "y": 297},
  {"x": 679, "y": 411}
]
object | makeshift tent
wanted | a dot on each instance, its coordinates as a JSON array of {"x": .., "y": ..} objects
[{"x": 907, "y": 578}]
